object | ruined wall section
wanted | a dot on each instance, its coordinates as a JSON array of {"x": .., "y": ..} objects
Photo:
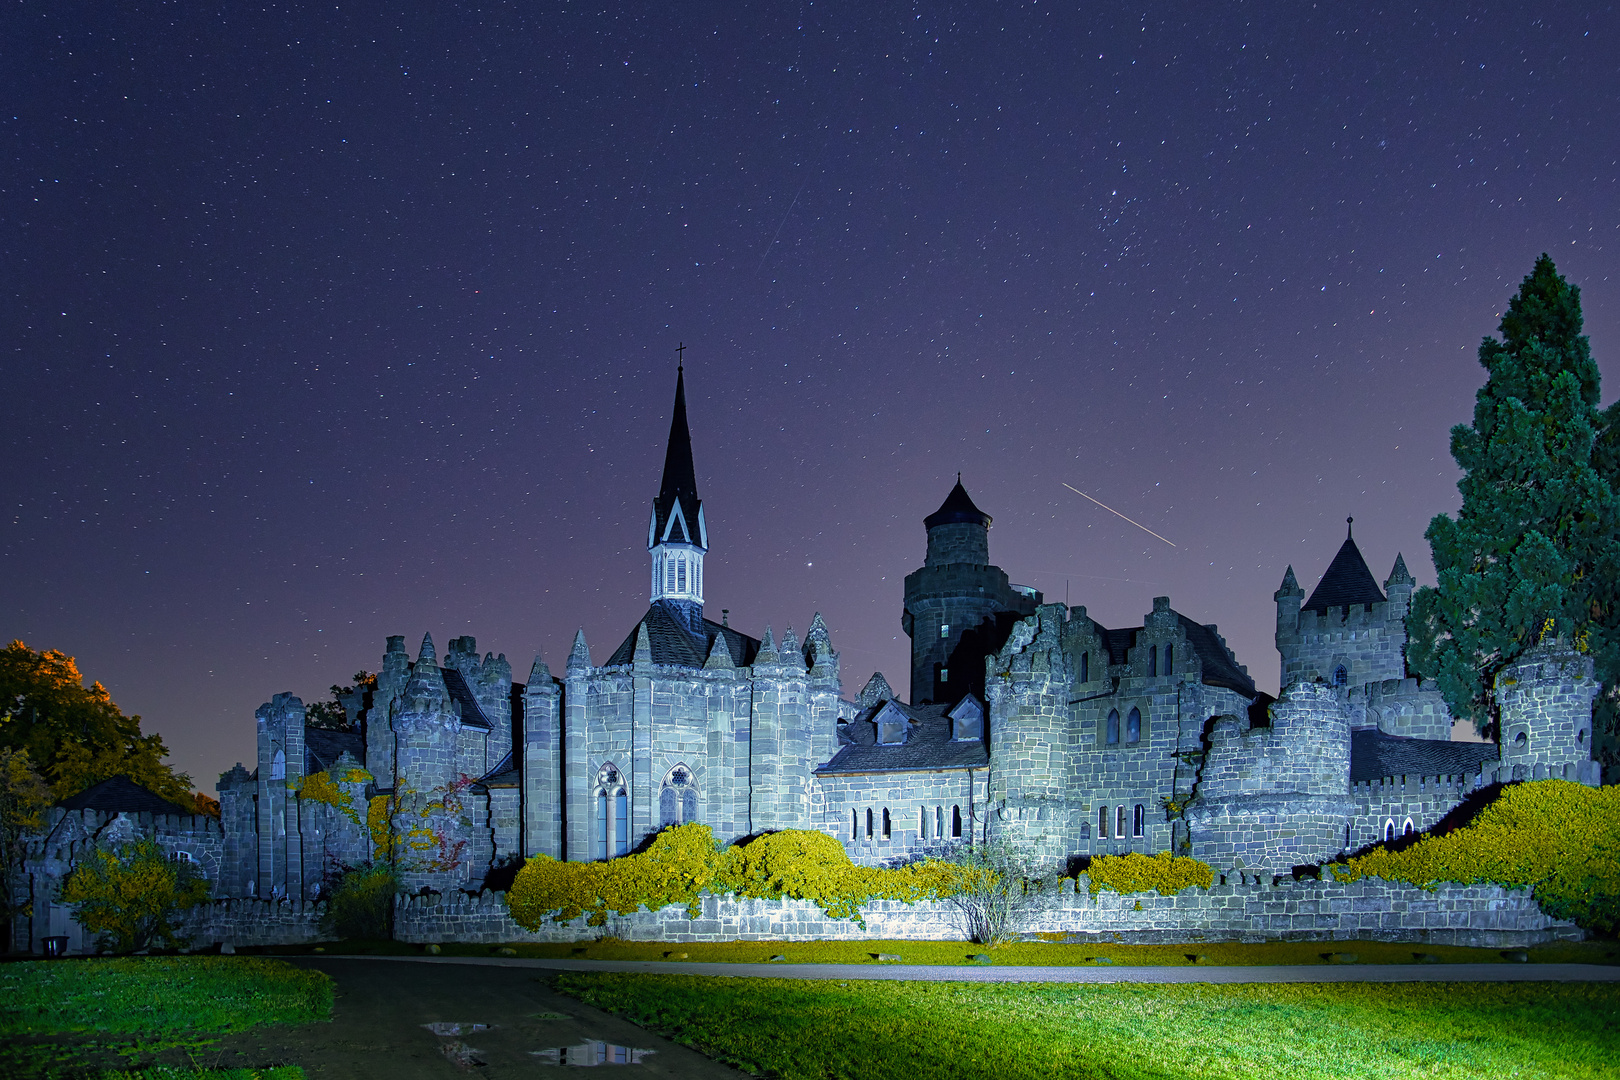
[
  {"x": 1275, "y": 797},
  {"x": 1028, "y": 687}
]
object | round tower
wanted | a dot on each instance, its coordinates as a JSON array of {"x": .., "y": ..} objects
[{"x": 959, "y": 608}]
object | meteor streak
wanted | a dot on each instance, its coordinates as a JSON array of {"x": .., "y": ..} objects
[{"x": 1116, "y": 513}]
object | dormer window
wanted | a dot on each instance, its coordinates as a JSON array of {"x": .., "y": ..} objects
[
  {"x": 967, "y": 721},
  {"x": 891, "y": 732}
]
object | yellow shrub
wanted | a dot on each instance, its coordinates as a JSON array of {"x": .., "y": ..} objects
[
  {"x": 1163, "y": 873},
  {"x": 1559, "y": 839},
  {"x": 683, "y": 862},
  {"x": 318, "y": 787}
]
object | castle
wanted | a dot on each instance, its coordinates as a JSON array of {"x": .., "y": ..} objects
[{"x": 1026, "y": 721}]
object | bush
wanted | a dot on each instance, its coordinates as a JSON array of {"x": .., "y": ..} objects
[
  {"x": 131, "y": 894},
  {"x": 1559, "y": 839},
  {"x": 997, "y": 889},
  {"x": 1163, "y": 873},
  {"x": 684, "y": 861},
  {"x": 360, "y": 902}
]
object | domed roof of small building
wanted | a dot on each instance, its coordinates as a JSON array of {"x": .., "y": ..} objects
[{"x": 957, "y": 509}]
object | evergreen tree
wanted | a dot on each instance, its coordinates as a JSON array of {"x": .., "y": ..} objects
[{"x": 1535, "y": 548}]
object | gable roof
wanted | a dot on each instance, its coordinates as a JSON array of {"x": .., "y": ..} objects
[
  {"x": 121, "y": 795},
  {"x": 503, "y": 775},
  {"x": 322, "y": 748},
  {"x": 675, "y": 644},
  {"x": 928, "y": 746},
  {"x": 1347, "y": 582},
  {"x": 472, "y": 714},
  {"x": 1220, "y": 666},
  {"x": 1375, "y": 754}
]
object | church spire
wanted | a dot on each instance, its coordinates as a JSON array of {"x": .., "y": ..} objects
[{"x": 677, "y": 536}]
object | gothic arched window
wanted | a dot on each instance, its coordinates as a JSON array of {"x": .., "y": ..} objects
[
  {"x": 611, "y": 832},
  {"x": 1341, "y": 677},
  {"x": 1102, "y": 822},
  {"x": 1112, "y": 733},
  {"x": 1389, "y": 830},
  {"x": 278, "y": 766},
  {"x": 1153, "y": 660},
  {"x": 1133, "y": 726},
  {"x": 1139, "y": 820},
  {"x": 677, "y": 800}
]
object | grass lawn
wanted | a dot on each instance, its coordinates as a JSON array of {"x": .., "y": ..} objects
[
  {"x": 1024, "y": 953},
  {"x": 61, "y": 1017},
  {"x": 1200, "y": 1031}
]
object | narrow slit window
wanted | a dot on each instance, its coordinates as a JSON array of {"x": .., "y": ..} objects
[
  {"x": 1139, "y": 820},
  {"x": 1085, "y": 667},
  {"x": 939, "y": 821},
  {"x": 1153, "y": 660},
  {"x": 1102, "y": 822},
  {"x": 956, "y": 822},
  {"x": 1169, "y": 660},
  {"x": 869, "y": 823},
  {"x": 680, "y": 575},
  {"x": 1133, "y": 726},
  {"x": 922, "y": 822},
  {"x": 1112, "y": 733},
  {"x": 1119, "y": 823},
  {"x": 854, "y": 824},
  {"x": 886, "y": 832}
]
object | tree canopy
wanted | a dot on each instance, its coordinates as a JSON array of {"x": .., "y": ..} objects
[
  {"x": 1534, "y": 550},
  {"x": 75, "y": 735}
]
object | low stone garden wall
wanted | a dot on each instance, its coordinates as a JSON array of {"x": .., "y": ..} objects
[{"x": 1480, "y": 915}]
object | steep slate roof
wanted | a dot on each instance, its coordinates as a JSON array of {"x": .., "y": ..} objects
[
  {"x": 322, "y": 748},
  {"x": 680, "y": 475},
  {"x": 1347, "y": 582},
  {"x": 957, "y": 508},
  {"x": 1375, "y": 755},
  {"x": 472, "y": 715},
  {"x": 504, "y": 774},
  {"x": 673, "y": 643},
  {"x": 928, "y": 744},
  {"x": 121, "y": 795},
  {"x": 1220, "y": 668}
]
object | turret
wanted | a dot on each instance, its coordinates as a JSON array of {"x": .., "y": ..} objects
[
  {"x": 1399, "y": 587},
  {"x": 959, "y": 609},
  {"x": 677, "y": 537}
]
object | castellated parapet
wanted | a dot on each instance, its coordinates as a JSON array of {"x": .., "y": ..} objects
[{"x": 1275, "y": 796}]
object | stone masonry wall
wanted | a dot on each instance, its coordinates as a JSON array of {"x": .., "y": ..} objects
[
  {"x": 1484, "y": 915},
  {"x": 1546, "y": 703}
]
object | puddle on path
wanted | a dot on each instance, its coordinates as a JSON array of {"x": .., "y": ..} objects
[
  {"x": 461, "y": 1054},
  {"x": 445, "y": 1027},
  {"x": 592, "y": 1053}
]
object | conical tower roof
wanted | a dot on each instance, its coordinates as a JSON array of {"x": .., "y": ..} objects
[
  {"x": 957, "y": 509},
  {"x": 1347, "y": 581}
]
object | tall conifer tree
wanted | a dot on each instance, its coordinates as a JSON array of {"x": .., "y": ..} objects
[{"x": 1535, "y": 549}]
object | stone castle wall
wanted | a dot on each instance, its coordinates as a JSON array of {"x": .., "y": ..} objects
[{"x": 1483, "y": 915}]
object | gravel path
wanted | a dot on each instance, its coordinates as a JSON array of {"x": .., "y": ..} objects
[{"x": 1507, "y": 972}]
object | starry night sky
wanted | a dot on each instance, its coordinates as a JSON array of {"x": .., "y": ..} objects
[{"x": 330, "y": 322}]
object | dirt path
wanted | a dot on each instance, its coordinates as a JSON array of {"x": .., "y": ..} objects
[{"x": 377, "y": 1030}]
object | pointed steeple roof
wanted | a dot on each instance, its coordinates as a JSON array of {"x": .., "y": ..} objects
[
  {"x": 679, "y": 485},
  {"x": 957, "y": 509},
  {"x": 1347, "y": 581}
]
